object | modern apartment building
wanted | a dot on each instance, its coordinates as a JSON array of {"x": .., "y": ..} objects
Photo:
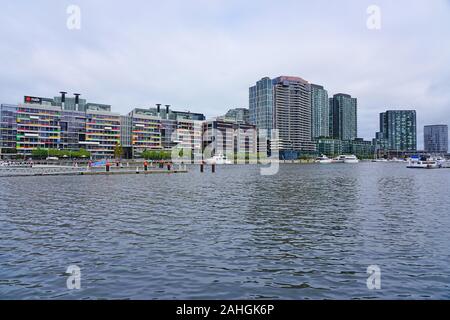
[
  {"x": 359, "y": 147},
  {"x": 320, "y": 112},
  {"x": 52, "y": 123},
  {"x": 72, "y": 124},
  {"x": 164, "y": 112},
  {"x": 189, "y": 136},
  {"x": 334, "y": 147},
  {"x": 292, "y": 116},
  {"x": 102, "y": 133},
  {"x": 261, "y": 107},
  {"x": 38, "y": 126},
  {"x": 343, "y": 117},
  {"x": 436, "y": 139},
  {"x": 329, "y": 146},
  {"x": 8, "y": 129},
  {"x": 162, "y": 129},
  {"x": 229, "y": 138},
  {"x": 73, "y": 130},
  {"x": 239, "y": 115},
  {"x": 398, "y": 131},
  {"x": 284, "y": 104},
  {"x": 145, "y": 132}
]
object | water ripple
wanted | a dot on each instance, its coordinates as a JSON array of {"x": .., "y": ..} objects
[{"x": 307, "y": 233}]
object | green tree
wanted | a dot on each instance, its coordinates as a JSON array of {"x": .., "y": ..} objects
[
  {"x": 118, "y": 151},
  {"x": 40, "y": 153},
  {"x": 156, "y": 155}
]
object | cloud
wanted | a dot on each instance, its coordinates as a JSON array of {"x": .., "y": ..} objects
[{"x": 202, "y": 55}]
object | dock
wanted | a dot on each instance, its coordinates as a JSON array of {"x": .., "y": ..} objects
[{"x": 39, "y": 171}]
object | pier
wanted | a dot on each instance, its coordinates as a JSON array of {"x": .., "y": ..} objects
[{"x": 34, "y": 171}]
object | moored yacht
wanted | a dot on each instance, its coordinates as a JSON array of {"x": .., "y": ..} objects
[
  {"x": 339, "y": 159},
  {"x": 350, "y": 159},
  {"x": 218, "y": 159},
  {"x": 423, "y": 163},
  {"x": 380, "y": 160},
  {"x": 323, "y": 159}
]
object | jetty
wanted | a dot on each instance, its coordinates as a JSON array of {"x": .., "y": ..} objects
[{"x": 56, "y": 170}]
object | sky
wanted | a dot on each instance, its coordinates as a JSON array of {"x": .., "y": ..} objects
[{"x": 203, "y": 55}]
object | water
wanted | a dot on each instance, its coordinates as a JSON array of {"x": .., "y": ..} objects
[{"x": 309, "y": 232}]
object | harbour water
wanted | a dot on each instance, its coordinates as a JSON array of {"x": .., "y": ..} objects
[{"x": 309, "y": 232}]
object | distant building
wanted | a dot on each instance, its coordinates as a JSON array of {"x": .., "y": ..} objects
[
  {"x": 343, "y": 117},
  {"x": 359, "y": 147},
  {"x": 398, "y": 132},
  {"x": 126, "y": 129},
  {"x": 102, "y": 133},
  {"x": 164, "y": 112},
  {"x": 58, "y": 123},
  {"x": 292, "y": 118},
  {"x": 320, "y": 112},
  {"x": 229, "y": 138},
  {"x": 329, "y": 146},
  {"x": 73, "y": 130},
  {"x": 261, "y": 107},
  {"x": 436, "y": 139},
  {"x": 144, "y": 132},
  {"x": 70, "y": 104},
  {"x": 239, "y": 115},
  {"x": 334, "y": 147},
  {"x": 175, "y": 128},
  {"x": 189, "y": 137},
  {"x": 284, "y": 104},
  {"x": 8, "y": 129},
  {"x": 38, "y": 126}
]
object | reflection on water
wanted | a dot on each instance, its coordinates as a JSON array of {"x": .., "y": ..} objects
[{"x": 309, "y": 232}]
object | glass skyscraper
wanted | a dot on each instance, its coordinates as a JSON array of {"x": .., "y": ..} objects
[
  {"x": 343, "y": 117},
  {"x": 436, "y": 138},
  {"x": 261, "y": 104},
  {"x": 398, "y": 131},
  {"x": 320, "y": 111}
]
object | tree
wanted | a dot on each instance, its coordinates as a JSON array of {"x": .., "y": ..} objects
[
  {"x": 40, "y": 153},
  {"x": 118, "y": 151},
  {"x": 156, "y": 155}
]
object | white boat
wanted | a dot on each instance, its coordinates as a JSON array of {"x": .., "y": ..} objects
[
  {"x": 423, "y": 163},
  {"x": 380, "y": 160},
  {"x": 339, "y": 159},
  {"x": 218, "y": 159},
  {"x": 323, "y": 159},
  {"x": 441, "y": 161},
  {"x": 350, "y": 159},
  {"x": 396, "y": 160}
]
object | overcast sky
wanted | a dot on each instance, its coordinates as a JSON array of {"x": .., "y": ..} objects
[{"x": 203, "y": 55}]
